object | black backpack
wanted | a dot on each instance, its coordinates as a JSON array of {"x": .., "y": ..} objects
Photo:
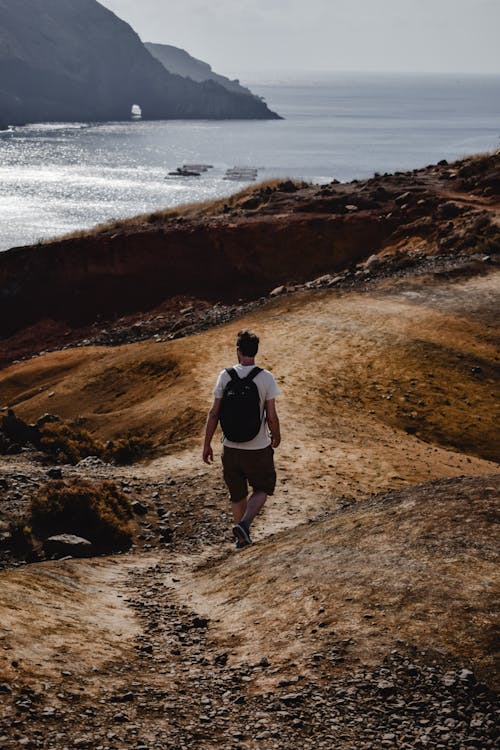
[{"x": 239, "y": 415}]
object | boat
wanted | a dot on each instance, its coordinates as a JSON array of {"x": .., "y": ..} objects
[
  {"x": 182, "y": 172},
  {"x": 241, "y": 174},
  {"x": 198, "y": 167}
]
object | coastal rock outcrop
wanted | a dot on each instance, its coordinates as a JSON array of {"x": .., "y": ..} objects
[
  {"x": 76, "y": 279},
  {"x": 180, "y": 62},
  {"x": 75, "y": 60}
]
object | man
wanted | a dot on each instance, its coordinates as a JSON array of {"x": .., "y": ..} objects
[{"x": 250, "y": 462}]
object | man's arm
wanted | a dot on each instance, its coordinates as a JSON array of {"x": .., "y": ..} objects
[
  {"x": 273, "y": 422},
  {"x": 210, "y": 427}
]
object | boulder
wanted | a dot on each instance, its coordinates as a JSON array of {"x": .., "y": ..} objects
[
  {"x": 287, "y": 187},
  {"x": 140, "y": 509},
  {"x": 47, "y": 419},
  {"x": 277, "y": 291},
  {"x": 449, "y": 210},
  {"x": 372, "y": 261},
  {"x": 17, "y": 431},
  {"x": 62, "y": 545},
  {"x": 253, "y": 202}
]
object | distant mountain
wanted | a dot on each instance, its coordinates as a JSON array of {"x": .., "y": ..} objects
[
  {"x": 75, "y": 60},
  {"x": 181, "y": 63}
]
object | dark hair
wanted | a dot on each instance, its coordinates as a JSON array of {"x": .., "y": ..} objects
[{"x": 248, "y": 343}]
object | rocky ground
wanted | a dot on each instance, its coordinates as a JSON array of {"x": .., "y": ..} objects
[
  {"x": 181, "y": 692},
  {"x": 364, "y": 615},
  {"x": 181, "y": 682}
]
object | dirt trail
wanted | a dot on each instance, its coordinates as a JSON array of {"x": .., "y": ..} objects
[
  {"x": 65, "y": 614},
  {"x": 327, "y": 351},
  {"x": 380, "y": 394}
]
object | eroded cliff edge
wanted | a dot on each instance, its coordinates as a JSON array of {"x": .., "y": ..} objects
[{"x": 242, "y": 247}]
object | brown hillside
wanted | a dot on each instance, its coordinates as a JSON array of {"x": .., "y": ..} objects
[
  {"x": 364, "y": 615},
  {"x": 417, "y": 566},
  {"x": 414, "y": 363}
]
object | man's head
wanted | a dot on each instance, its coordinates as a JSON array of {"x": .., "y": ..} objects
[{"x": 247, "y": 343}]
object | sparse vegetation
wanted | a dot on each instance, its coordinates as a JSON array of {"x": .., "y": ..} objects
[
  {"x": 22, "y": 542},
  {"x": 186, "y": 211},
  {"x": 127, "y": 449},
  {"x": 69, "y": 444},
  {"x": 97, "y": 512},
  {"x": 386, "y": 635},
  {"x": 475, "y": 164}
]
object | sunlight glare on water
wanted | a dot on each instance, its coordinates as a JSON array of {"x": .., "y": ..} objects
[{"x": 57, "y": 178}]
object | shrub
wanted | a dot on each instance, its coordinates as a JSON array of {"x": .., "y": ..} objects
[
  {"x": 22, "y": 542},
  {"x": 127, "y": 449},
  {"x": 98, "y": 512},
  {"x": 68, "y": 444}
]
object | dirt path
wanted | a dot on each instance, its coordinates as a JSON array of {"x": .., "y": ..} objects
[
  {"x": 342, "y": 362},
  {"x": 317, "y": 635}
]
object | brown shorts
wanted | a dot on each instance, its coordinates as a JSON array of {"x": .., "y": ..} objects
[{"x": 248, "y": 467}]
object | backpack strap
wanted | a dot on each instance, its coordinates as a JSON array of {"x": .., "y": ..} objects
[{"x": 253, "y": 373}]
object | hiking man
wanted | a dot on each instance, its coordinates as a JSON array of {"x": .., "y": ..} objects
[{"x": 244, "y": 401}]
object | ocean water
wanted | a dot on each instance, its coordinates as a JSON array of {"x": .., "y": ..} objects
[{"x": 58, "y": 178}]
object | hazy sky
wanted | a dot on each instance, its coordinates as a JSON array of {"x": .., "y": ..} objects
[{"x": 317, "y": 35}]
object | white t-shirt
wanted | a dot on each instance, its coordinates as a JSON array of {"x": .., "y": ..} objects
[{"x": 268, "y": 389}]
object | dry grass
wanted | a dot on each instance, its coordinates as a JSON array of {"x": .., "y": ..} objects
[
  {"x": 68, "y": 443},
  {"x": 418, "y": 566},
  {"x": 144, "y": 222},
  {"x": 330, "y": 564},
  {"x": 478, "y": 162},
  {"x": 383, "y": 364},
  {"x": 135, "y": 391},
  {"x": 97, "y": 512}
]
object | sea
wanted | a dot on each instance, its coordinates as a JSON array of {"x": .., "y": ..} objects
[{"x": 57, "y": 178}]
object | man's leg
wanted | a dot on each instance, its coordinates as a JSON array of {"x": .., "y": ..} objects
[
  {"x": 254, "y": 504},
  {"x": 258, "y": 469},
  {"x": 261, "y": 475},
  {"x": 241, "y": 530},
  {"x": 239, "y": 509}
]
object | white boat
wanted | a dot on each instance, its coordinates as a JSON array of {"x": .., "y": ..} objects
[
  {"x": 197, "y": 167},
  {"x": 243, "y": 174}
]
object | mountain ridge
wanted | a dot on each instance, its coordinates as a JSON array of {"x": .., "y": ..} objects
[
  {"x": 75, "y": 60},
  {"x": 180, "y": 62}
]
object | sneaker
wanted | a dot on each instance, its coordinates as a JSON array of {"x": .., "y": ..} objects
[{"x": 241, "y": 535}]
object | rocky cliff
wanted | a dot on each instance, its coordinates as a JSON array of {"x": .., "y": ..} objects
[
  {"x": 75, "y": 60},
  {"x": 215, "y": 258},
  {"x": 181, "y": 63},
  {"x": 240, "y": 248}
]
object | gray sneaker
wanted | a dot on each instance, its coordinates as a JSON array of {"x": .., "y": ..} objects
[{"x": 241, "y": 536}]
